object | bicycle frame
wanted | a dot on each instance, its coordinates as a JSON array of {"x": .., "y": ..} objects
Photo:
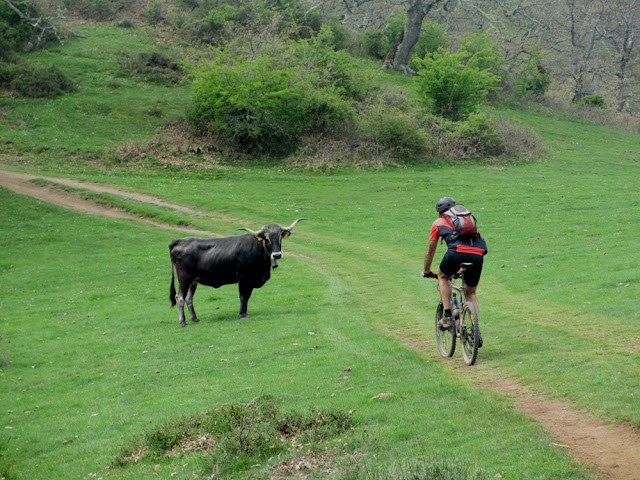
[
  {"x": 461, "y": 289},
  {"x": 465, "y": 328}
]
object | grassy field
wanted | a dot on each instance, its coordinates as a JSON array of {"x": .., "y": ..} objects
[{"x": 92, "y": 357}]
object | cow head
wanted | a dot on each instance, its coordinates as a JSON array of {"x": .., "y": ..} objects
[{"x": 271, "y": 236}]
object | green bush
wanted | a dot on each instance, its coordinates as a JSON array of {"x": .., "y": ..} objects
[
  {"x": 15, "y": 32},
  {"x": 378, "y": 43},
  {"x": 334, "y": 68},
  {"x": 38, "y": 81},
  {"x": 484, "y": 54},
  {"x": 431, "y": 38},
  {"x": 153, "y": 13},
  {"x": 262, "y": 107},
  {"x": 6, "y": 74},
  {"x": 394, "y": 131},
  {"x": 240, "y": 434},
  {"x": 479, "y": 137},
  {"x": 593, "y": 101},
  {"x": 154, "y": 67},
  {"x": 220, "y": 22},
  {"x": 454, "y": 84},
  {"x": 534, "y": 79},
  {"x": 375, "y": 44}
]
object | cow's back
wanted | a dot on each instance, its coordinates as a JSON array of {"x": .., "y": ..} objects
[{"x": 217, "y": 261}]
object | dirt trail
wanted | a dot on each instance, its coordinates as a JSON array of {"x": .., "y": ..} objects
[
  {"x": 20, "y": 183},
  {"x": 612, "y": 449}
]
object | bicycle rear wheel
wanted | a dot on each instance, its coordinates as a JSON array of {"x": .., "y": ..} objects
[
  {"x": 446, "y": 338},
  {"x": 469, "y": 334}
]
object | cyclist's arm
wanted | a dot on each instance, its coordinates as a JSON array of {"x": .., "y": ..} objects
[{"x": 428, "y": 257}]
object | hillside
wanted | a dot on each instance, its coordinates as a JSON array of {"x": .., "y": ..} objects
[{"x": 336, "y": 373}]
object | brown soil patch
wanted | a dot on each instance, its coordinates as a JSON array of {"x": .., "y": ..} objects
[{"x": 612, "y": 449}]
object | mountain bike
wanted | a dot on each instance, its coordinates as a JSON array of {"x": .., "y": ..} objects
[{"x": 466, "y": 327}]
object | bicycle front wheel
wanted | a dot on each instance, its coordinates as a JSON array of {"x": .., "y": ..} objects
[
  {"x": 446, "y": 338},
  {"x": 470, "y": 334}
]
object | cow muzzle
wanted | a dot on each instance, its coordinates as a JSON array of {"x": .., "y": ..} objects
[{"x": 275, "y": 256}]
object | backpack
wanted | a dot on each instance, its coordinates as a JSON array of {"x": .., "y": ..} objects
[{"x": 463, "y": 221}]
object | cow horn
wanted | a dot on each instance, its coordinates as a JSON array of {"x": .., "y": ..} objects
[
  {"x": 294, "y": 223},
  {"x": 255, "y": 234}
]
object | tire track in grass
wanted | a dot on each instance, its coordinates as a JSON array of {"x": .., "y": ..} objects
[{"x": 610, "y": 448}]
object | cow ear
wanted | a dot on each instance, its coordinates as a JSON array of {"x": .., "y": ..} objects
[
  {"x": 286, "y": 234},
  {"x": 260, "y": 237}
]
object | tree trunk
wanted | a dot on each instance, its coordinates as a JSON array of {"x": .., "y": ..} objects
[
  {"x": 417, "y": 10},
  {"x": 629, "y": 12}
]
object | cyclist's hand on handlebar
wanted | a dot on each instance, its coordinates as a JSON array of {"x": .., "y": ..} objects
[{"x": 429, "y": 274}]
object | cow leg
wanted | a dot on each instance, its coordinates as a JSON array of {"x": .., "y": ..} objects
[
  {"x": 245, "y": 295},
  {"x": 183, "y": 291},
  {"x": 189, "y": 300}
]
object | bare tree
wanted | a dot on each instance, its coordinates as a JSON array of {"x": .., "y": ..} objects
[
  {"x": 43, "y": 25},
  {"x": 573, "y": 31},
  {"x": 625, "y": 15}
]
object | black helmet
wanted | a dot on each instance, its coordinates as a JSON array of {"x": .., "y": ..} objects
[{"x": 444, "y": 204}]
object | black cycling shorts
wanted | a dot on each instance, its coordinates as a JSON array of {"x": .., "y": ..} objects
[{"x": 451, "y": 264}]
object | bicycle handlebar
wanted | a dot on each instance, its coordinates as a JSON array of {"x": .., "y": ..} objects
[{"x": 458, "y": 274}]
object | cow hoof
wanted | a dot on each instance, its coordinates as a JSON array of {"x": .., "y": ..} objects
[
  {"x": 183, "y": 325},
  {"x": 243, "y": 315},
  {"x": 195, "y": 320}
]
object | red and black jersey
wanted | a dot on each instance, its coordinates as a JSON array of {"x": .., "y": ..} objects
[{"x": 443, "y": 227}]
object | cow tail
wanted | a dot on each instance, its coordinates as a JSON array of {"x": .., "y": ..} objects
[{"x": 172, "y": 289}]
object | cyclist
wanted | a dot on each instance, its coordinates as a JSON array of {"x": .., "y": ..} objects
[{"x": 461, "y": 249}]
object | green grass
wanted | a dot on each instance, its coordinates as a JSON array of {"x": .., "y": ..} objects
[
  {"x": 108, "y": 107},
  {"x": 92, "y": 357}
]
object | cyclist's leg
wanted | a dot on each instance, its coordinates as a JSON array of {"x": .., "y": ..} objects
[
  {"x": 448, "y": 266},
  {"x": 471, "y": 297},
  {"x": 444, "y": 285},
  {"x": 472, "y": 278}
]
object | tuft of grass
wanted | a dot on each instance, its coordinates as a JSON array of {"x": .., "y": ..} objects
[
  {"x": 235, "y": 436},
  {"x": 423, "y": 469}
]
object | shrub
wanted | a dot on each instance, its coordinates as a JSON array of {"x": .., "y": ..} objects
[
  {"x": 15, "y": 32},
  {"x": 375, "y": 44},
  {"x": 6, "y": 74},
  {"x": 222, "y": 21},
  {"x": 479, "y": 137},
  {"x": 483, "y": 53},
  {"x": 262, "y": 107},
  {"x": 154, "y": 66},
  {"x": 593, "y": 101},
  {"x": 333, "y": 68},
  {"x": 238, "y": 432},
  {"x": 37, "y": 81},
  {"x": 394, "y": 131},
  {"x": 431, "y": 38},
  {"x": 378, "y": 43},
  {"x": 453, "y": 84},
  {"x": 534, "y": 79},
  {"x": 154, "y": 14}
]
